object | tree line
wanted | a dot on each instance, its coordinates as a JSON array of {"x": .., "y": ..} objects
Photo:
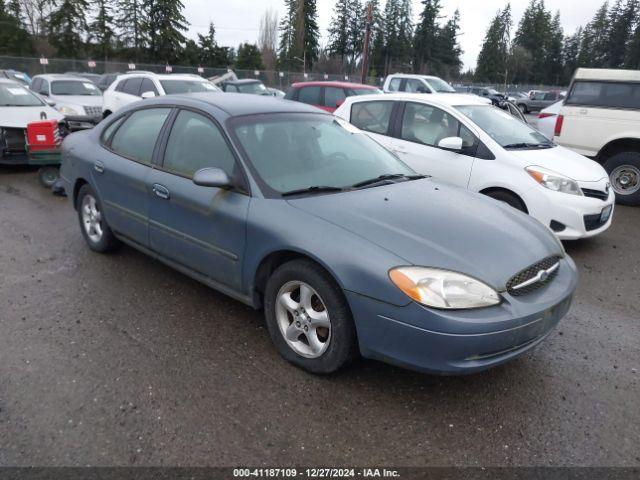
[{"x": 539, "y": 51}]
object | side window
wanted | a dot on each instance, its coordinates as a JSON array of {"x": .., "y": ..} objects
[
  {"x": 415, "y": 86},
  {"x": 394, "y": 84},
  {"x": 605, "y": 94},
  {"x": 132, "y": 86},
  {"x": 231, "y": 88},
  {"x": 148, "y": 86},
  {"x": 108, "y": 132},
  {"x": 120, "y": 85},
  {"x": 44, "y": 88},
  {"x": 468, "y": 138},
  {"x": 550, "y": 97},
  {"x": 137, "y": 136},
  {"x": 539, "y": 96},
  {"x": 309, "y": 95},
  {"x": 205, "y": 144},
  {"x": 427, "y": 125},
  {"x": 35, "y": 85},
  {"x": 332, "y": 96},
  {"x": 372, "y": 116}
]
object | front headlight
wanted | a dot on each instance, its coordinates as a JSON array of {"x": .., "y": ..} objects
[
  {"x": 444, "y": 289},
  {"x": 67, "y": 110},
  {"x": 554, "y": 181}
]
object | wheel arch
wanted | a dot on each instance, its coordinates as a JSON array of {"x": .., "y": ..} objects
[
  {"x": 487, "y": 191},
  {"x": 628, "y": 144},
  {"x": 80, "y": 182}
]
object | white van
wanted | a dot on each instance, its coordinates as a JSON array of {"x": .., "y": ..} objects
[
  {"x": 601, "y": 120},
  {"x": 460, "y": 140}
]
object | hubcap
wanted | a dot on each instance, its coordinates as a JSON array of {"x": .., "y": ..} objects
[
  {"x": 303, "y": 319},
  {"x": 91, "y": 218},
  {"x": 625, "y": 180}
]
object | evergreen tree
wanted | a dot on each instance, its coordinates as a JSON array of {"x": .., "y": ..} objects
[
  {"x": 66, "y": 27},
  {"x": 210, "y": 54},
  {"x": 339, "y": 30},
  {"x": 377, "y": 40},
  {"x": 570, "y": 54},
  {"x": 554, "y": 49},
  {"x": 101, "y": 29},
  {"x": 164, "y": 26},
  {"x": 14, "y": 38},
  {"x": 533, "y": 34},
  {"x": 492, "y": 60},
  {"x": 449, "y": 52},
  {"x": 593, "y": 47},
  {"x": 633, "y": 51},
  {"x": 356, "y": 26},
  {"x": 622, "y": 17},
  {"x": 286, "y": 35},
  {"x": 425, "y": 41},
  {"x": 249, "y": 57},
  {"x": 306, "y": 32},
  {"x": 130, "y": 21}
]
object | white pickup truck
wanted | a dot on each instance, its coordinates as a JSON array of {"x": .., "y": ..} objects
[{"x": 600, "y": 119}]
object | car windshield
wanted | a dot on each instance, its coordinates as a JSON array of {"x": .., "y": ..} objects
[
  {"x": 365, "y": 91},
  {"x": 506, "y": 130},
  {"x": 176, "y": 87},
  {"x": 440, "y": 85},
  {"x": 256, "y": 88},
  {"x": 75, "y": 87},
  {"x": 291, "y": 152},
  {"x": 15, "y": 95}
]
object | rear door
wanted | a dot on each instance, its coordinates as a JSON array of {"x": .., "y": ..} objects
[
  {"x": 122, "y": 171},
  {"x": 129, "y": 92},
  {"x": 419, "y": 129},
  {"x": 201, "y": 228},
  {"x": 376, "y": 118}
]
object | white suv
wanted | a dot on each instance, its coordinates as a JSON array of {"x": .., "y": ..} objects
[
  {"x": 600, "y": 119},
  {"x": 402, "y": 82},
  {"x": 460, "y": 140},
  {"x": 133, "y": 87}
]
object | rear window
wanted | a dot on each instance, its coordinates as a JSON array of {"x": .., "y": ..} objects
[
  {"x": 605, "y": 94},
  {"x": 309, "y": 95},
  {"x": 372, "y": 116}
]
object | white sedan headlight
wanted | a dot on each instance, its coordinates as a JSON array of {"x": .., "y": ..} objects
[
  {"x": 444, "y": 289},
  {"x": 554, "y": 181},
  {"x": 67, "y": 110}
]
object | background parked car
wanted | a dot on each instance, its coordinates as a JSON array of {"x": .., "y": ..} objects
[
  {"x": 78, "y": 99},
  {"x": 106, "y": 80},
  {"x": 458, "y": 139},
  {"x": 547, "y": 118},
  {"x": 601, "y": 119},
  {"x": 401, "y": 82},
  {"x": 538, "y": 101},
  {"x": 247, "y": 85},
  {"x": 327, "y": 95},
  {"x": 93, "y": 77},
  {"x": 489, "y": 93},
  {"x": 16, "y": 76},
  {"x": 132, "y": 87}
]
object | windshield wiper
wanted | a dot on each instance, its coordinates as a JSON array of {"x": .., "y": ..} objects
[
  {"x": 386, "y": 178},
  {"x": 527, "y": 145},
  {"x": 313, "y": 189}
]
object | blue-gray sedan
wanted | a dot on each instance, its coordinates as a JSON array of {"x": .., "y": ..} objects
[{"x": 349, "y": 251}]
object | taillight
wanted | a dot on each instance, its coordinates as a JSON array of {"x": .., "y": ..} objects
[
  {"x": 545, "y": 115},
  {"x": 559, "y": 122}
]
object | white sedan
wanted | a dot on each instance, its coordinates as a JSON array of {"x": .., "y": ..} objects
[{"x": 460, "y": 140}]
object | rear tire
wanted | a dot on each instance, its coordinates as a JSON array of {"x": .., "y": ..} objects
[
  {"x": 314, "y": 331},
  {"x": 48, "y": 176},
  {"x": 93, "y": 224},
  {"x": 509, "y": 198},
  {"x": 624, "y": 173}
]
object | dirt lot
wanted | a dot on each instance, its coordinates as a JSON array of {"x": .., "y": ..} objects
[{"x": 118, "y": 360}]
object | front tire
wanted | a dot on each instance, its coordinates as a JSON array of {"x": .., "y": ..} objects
[
  {"x": 308, "y": 318},
  {"x": 94, "y": 227},
  {"x": 624, "y": 173}
]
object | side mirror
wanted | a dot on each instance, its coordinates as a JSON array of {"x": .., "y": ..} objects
[
  {"x": 451, "y": 143},
  {"x": 212, "y": 177},
  {"x": 147, "y": 95},
  {"x": 44, "y": 93}
]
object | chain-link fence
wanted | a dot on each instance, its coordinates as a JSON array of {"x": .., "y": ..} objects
[{"x": 274, "y": 79}]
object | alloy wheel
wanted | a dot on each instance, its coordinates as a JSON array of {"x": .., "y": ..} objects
[
  {"x": 92, "y": 218},
  {"x": 303, "y": 319}
]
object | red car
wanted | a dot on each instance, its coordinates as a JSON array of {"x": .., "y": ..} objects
[{"x": 327, "y": 95}]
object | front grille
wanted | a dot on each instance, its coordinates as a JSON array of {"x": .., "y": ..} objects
[
  {"x": 594, "y": 222},
  {"x": 530, "y": 273},
  {"x": 587, "y": 192},
  {"x": 93, "y": 111}
]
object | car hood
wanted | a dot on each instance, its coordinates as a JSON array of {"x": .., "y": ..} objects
[
  {"x": 19, "y": 117},
  {"x": 429, "y": 224},
  {"x": 563, "y": 161},
  {"x": 82, "y": 100}
]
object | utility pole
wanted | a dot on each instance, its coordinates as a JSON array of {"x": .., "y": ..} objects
[{"x": 367, "y": 39}]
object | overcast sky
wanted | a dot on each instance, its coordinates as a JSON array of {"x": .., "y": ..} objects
[{"x": 238, "y": 21}]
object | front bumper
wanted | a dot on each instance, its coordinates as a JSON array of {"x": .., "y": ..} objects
[
  {"x": 466, "y": 341},
  {"x": 571, "y": 211}
]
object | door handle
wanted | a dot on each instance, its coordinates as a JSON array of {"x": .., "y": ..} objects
[
  {"x": 98, "y": 167},
  {"x": 161, "y": 191}
]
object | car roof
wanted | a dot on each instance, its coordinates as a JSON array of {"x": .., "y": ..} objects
[
  {"x": 60, "y": 76},
  {"x": 607, "y": 74},
  {"x": 442, "y": 99},
  {"x": 243, "y": 81},
  {"x": 238, "y": 104},
  {"x": 360, "y": 86},
  {"x": 413, "y": 75},
  {"x": 161, "y": 76}
]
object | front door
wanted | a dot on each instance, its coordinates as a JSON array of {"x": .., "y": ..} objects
[
  {"x": 422, "y": 127},
  {"x": 202, "y": 228},
  {"x": 121, "y": 171}
]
